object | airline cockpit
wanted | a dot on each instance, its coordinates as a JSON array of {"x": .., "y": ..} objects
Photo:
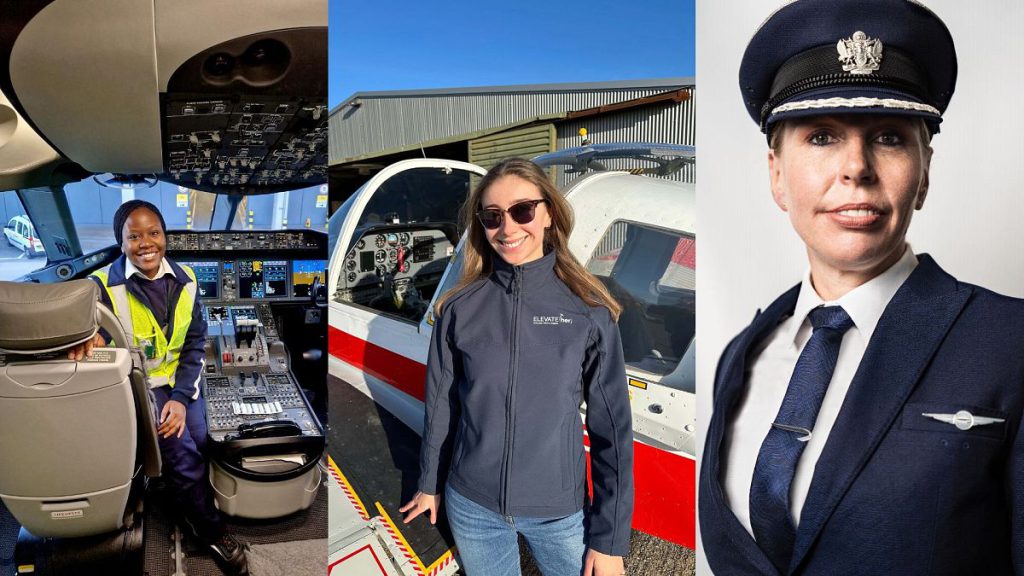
[
  {"x": 264, "y": 301},
  {"x": 214, "y": 113}
]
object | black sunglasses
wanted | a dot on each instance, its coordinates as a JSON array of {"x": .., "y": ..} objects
[{"x": 521, "y": 212}]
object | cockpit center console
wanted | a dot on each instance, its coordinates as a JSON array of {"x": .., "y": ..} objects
[{"x": 266, "y": 440}]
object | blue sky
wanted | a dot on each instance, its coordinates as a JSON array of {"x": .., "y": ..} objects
[{"x": 405, "y": 44}]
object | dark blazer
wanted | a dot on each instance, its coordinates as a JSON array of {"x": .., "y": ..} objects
[{"x": 895, "y": 492}]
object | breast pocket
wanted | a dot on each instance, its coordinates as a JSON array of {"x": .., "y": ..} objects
[{"x": 955, "y": 421}]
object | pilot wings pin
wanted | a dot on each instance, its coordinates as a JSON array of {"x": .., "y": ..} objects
[{"x": 963, "y": 419}]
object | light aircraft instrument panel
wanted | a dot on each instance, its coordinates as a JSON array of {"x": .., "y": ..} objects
[{"x": 408, "y": 258}]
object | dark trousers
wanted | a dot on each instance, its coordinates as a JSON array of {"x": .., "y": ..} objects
[{"x": 185, "y": 471}]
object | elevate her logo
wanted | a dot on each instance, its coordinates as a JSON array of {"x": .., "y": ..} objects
[{"x": 551, "y": 320}]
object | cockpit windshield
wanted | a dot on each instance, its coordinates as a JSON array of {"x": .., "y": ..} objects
[
  {"x": 417, "y": 196},
  {"x": 45, "y": 220}
]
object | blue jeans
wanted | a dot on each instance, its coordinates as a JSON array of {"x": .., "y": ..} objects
[{"x": 488, "y": 545}]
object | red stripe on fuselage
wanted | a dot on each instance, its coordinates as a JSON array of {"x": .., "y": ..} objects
[
  {"x": 407, "y": 375},
  {"x": 665, "y": 482},
  {"x": 664, "y": 487},
  {"x": 665, "y": 495}
]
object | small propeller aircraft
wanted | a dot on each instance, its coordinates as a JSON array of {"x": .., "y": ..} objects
[{"x": 395, "y": 248}]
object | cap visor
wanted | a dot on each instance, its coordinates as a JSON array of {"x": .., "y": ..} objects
[{"x": 853, "y": 100}]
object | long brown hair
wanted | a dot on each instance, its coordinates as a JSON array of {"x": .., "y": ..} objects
[{"x": 477, "y": 254}]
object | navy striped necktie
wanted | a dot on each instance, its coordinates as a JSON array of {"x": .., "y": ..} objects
[{"x": 776, "y": 462}]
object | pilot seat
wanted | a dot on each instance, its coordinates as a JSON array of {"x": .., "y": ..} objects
[{"x": 77, "y": 439}]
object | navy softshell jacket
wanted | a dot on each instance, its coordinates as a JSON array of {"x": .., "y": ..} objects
[{"x": 512, "y": 358}]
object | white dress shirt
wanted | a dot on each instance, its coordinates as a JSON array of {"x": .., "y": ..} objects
[
  {"x": 768, "y": 378},
  {"x": 130, "y": 269}
]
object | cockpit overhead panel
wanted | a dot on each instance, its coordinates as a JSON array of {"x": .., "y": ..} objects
[
  {"x": 271, "y": 137},
  {"x": 252, "y": 146}
]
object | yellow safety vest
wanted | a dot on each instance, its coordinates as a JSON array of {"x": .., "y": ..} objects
[{"x": 139, "y": 321}]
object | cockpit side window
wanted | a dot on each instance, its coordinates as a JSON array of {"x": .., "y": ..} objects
[
  {"x": 651, "y": 272},
  {"x": 21, "y": 250}
]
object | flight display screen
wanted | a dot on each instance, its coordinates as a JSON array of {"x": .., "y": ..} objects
[
  {"x": 303, "y": 273},
  {"x": 207, "y": 278},
  {"x": 366, "y": 261},
  {"x": 260, "y": 279}
]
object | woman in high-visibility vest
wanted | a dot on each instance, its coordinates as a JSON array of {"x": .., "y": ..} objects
[{"x": 157, "y": 303}]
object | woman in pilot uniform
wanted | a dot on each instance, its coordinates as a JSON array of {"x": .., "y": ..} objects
[
  {"x": 867, "y": 421},
  {"x": 157, "y": 303},
  {"x": 525, "y": 337}
]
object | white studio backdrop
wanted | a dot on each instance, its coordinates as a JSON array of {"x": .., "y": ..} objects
[{"x": 971, "y": 219}]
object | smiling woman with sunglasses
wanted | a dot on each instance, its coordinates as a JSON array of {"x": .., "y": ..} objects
[{"x": 525, "y": 337}]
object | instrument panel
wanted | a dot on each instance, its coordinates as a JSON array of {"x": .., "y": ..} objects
[
  {"x": 256, "y": 279},
  {"x": 250, "y": 266},
  {"x": 248, "y": 380},
  {"x": 396, "y": 268},
  {"x": 400, "y": 254}
]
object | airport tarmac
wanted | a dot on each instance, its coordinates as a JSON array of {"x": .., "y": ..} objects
[
  {"x": 14, "y": 264},
  {"x": 648, "y": 556}
]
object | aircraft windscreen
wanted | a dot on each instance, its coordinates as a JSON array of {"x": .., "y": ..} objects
[
  {"x": 21, "y": 250},
  {"x": 418, "y": 195},
  {"x": 93, "y": 207},
  {"x": 335, "y": 222}
]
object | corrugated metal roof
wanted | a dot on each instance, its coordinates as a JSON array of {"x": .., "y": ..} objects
[
  {"x": 369, "y": 123},
  {"x": 665, "y": 124},
  {"x": 662, "y": 83}
]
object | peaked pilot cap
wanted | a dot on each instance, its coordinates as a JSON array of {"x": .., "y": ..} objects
[{"x": 822, "y": 57}]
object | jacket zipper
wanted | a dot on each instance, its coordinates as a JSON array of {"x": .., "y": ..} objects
[{"x": 517, "y": 285}]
